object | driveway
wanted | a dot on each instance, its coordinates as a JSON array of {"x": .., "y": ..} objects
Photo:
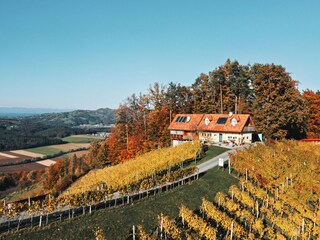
[{"x": 203, "y": 167}]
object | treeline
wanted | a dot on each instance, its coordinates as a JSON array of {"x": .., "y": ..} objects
[
  {"x": 19, "y": 133},
  {"x": 266, "y": 91},
  {"x": 22, "y": 133}
]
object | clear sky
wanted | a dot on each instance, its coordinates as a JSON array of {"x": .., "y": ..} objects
[{"x": 92, "y": 54}]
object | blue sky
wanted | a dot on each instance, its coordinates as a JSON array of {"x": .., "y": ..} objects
[{"x": 92, "y": 54}]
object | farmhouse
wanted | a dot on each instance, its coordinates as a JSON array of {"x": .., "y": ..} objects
[{"x": 213, "y": 128}]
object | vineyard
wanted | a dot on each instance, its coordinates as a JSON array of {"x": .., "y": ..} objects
[
  {"x": 277, "y": 198},
  {"x": 147, "y": 171},
  {"x": 116, "y": 178}
]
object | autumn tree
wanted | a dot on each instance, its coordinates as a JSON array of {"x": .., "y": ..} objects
[
  {"x": 61, "y": 174},
  {"x": 128, "y": 135},
  {"x": 178, "y": 99},
  {"x": 157, "y": 129},
  {"x": 204, "y": 95},
  {"x": 226, "y": 89},
  {"x": 313, "y": 103},
  {"x": 233, "y": 83},
  {"x": 97, "y": 156},
  {"x": 115, "y": 144},
  {"x": 279, "y": 111}
]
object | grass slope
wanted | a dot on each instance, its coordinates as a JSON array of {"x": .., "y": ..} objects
[
  {"x": 44, "y": 150},
  {"x": 80, "y": 139},
  {"x": 33, "y": 191},
  {"x": 116, "y": 223},
  {"x": 212, "y": 152}
]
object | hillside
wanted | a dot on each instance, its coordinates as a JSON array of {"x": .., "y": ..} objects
[
  {"x": 102, "y": 116},
  {"x": 117, "y": 222},
  {"x": 49, "y": 128},
  {"x": 144, "y": 212},
  {"x": 268, "y": 196}
]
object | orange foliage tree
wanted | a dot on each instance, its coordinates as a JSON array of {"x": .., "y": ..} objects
[{"x": 313, "y": 102}]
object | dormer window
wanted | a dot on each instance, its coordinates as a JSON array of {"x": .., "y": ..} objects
[
  {"x": 206, "y": 121},
  {"x": 234, "y": 122}
]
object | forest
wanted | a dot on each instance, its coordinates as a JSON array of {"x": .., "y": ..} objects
[{"x": 266, "y": 91}]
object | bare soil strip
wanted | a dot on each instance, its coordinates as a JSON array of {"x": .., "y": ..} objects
[
  {"x": 27, "y": 153},
  {"x": 47, "y": 162},
  {"x": 7, "y": 155},
  {"x": 18, "y": 158},
  {"x": 22, "y": 167}
]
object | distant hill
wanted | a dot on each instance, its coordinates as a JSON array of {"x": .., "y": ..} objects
[
  {"x": 22, "y": 112},
  {"x": 102, "y": 116},
  {"x": 18, "y": 132}
]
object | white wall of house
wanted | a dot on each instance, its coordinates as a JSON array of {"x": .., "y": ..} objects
[
  {"x": 235, "y": 137},
  {"x": 209, "y": 136},
  {"x": 177, "y": 142},
  {"x": 247, "y": 137}
]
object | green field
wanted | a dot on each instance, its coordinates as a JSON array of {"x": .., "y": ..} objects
[
  {"x": 80, "y": 139},
  {"x": 47, "y": 150}
]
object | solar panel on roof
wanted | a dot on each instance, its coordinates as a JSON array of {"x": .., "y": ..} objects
[
  {"x": 181, "y": 119},
  {"x": 222, "y": 120}
]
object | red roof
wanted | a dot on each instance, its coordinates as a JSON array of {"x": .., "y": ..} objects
[
  {"x": 235, "y": 123},
  {"x": 190, "y": 125},
  {"x": 310, "y": 140}
]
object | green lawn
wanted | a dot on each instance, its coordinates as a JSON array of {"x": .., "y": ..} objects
[
  {"x": 116, "y": 223},
  {"x": 213, "y": 151},
  {"x": 80, "y": 139},
  {"x": 44, "y": 150}
]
